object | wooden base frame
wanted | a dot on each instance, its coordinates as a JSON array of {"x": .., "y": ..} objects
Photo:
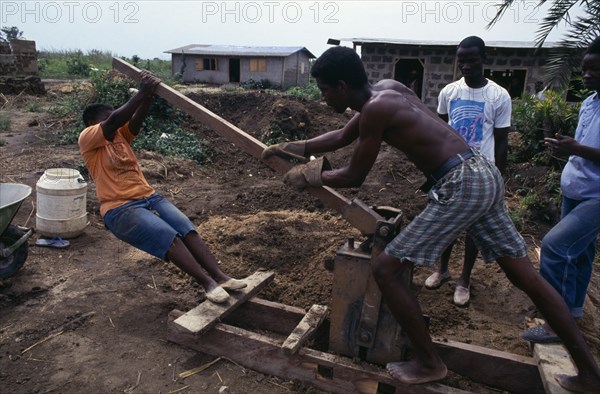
[{"x": 233, "y": 338}]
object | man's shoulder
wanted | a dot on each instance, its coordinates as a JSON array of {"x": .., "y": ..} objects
[{"x": 493, "y": 85}]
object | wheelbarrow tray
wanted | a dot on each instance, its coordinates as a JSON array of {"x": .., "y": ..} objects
[{"x": 11, "y": 198}]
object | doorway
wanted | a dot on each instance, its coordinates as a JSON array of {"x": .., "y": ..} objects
[
  {"x": 234, "y": 70},
  {"x": 511, "y": 80},
  {"x": 410, "y": 73}
]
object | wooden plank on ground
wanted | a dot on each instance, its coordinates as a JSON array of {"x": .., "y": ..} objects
[
  {"x": 207, "y": 314},
  {"x": 354, "y": 211},
  {"x": 511, "y": 372},
  {"x": 324, "y": 371},
  {"x": 307, "y": 326},
  {"x": 553, "y": 358}
]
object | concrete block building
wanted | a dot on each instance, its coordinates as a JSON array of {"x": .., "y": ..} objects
[
  {"x": 514, "y": 65},
  {"x": 221, "y": 64}
]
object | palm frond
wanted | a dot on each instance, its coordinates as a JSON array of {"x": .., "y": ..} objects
[
  {"x": 503, "y": 7},
  {"x": 565, "y": 59},
  {"x": 558, "y": 12}
]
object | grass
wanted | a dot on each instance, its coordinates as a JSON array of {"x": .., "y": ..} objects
[
  {"x": 75, "y": 64},
  {"x": 4, "y": 123}
]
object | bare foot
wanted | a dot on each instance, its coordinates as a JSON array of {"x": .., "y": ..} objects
[
  {"x": 412, "y": 372},
  {"x": 573, "y": 383}
]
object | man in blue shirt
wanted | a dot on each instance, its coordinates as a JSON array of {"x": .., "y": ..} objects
[{"x": 568, "y": 250}]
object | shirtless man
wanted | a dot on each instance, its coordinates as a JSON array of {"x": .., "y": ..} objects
[{"x": 466, "y": 192}]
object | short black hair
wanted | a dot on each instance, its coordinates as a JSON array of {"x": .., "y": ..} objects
[
  {"x": 473, "y": 41},
  {"x": 594, "y": 48},
  {"x": 340, "y": 64},
  {"x": 91, "y": 112}
]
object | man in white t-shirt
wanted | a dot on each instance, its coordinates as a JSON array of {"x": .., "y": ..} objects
[{"x": 480, "y": 111}]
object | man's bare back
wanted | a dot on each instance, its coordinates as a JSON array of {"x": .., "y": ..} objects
[{"x": 413, "y": 128}]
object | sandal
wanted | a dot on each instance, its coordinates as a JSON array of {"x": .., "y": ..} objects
[
  {"x": 217, "y": 295},
  {"x": 436, "y": 279},
  {"x": 56, "y": 242},
  {"x": 462, "y": 295},
  {"x": 233, "y": 284}
]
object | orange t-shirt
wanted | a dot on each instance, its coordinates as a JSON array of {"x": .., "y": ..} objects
[{"x": 113, "y": 167}]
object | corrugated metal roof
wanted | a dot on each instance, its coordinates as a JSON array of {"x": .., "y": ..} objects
[
  {"x": 489, "y": 44},
  {"x": 225, "y": 50}
]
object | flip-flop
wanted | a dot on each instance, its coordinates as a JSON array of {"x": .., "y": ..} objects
[
  {"x": 56, "y": 242},
  {"x": 539, "y": 334}
]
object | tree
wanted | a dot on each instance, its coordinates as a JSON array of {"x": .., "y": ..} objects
[
  {"x": 10, "y": 33},
  {"x": 566, "y": 58}
]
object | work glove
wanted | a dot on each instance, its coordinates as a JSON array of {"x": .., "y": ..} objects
[
  {"x": 287, "y": 150},
  {"x": 306, "y": 175}
]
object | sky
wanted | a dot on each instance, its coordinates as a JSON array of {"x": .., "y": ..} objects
[{"x": 148, "y": 28}]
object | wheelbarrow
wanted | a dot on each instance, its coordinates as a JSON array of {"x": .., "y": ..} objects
[{"x": 13, "y": 239}]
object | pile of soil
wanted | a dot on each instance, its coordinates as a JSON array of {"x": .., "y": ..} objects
[{"x": 93, "y": 317}]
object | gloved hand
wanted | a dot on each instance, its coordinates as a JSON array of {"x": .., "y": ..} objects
[
  {"x": 287, "y": 150},
  {"x": 305, "y": 175}
]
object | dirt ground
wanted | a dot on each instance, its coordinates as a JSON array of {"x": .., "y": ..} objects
[{"x": 92, "y": 318}]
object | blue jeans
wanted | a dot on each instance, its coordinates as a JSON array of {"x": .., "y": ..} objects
[
  {"x": 568, "y": 250},
  {"x": 150, "y": 224}
]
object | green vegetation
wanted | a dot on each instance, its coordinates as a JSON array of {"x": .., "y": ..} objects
[
  {"x": 536, "y": 119},
  {"x": 309, "y": 92},
  {"x": 4, "y": 123},
  {"x": 163, "y": 132},
  {"x": 76, "y": 64},
  {"x": 33, "y": 106}
]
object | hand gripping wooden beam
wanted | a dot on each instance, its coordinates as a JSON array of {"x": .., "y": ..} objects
[{"x": 353, "y": 210}]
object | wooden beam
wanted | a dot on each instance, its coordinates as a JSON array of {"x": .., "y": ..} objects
[
  {"x": 307, "y": 326},
  {"x": 552, "y": 359},
  {"x": 354, "y": 211},
  {"x": 264, "y": 354},
  {"x": 511, "y": 372},
  {"x": 208, "y": 314}
]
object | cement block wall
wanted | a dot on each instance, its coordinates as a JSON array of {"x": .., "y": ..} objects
[
  {"x": 440, "y": 65},
  {"x": 18, "y": 58}
]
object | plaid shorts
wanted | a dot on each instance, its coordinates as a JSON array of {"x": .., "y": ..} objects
[{"x": 469, "y": 197}]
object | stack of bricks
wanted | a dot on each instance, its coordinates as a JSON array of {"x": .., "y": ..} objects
[
  {"x": 19, "y": 68},
  {"x": 25, "y": 57},
  {"x": 7, "y": 60}
]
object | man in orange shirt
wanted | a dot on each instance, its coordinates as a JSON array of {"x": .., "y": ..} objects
[{"x": 130, "y": 207}]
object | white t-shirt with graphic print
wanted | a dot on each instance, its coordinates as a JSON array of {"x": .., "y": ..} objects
[{"x": 475, "y": 113}]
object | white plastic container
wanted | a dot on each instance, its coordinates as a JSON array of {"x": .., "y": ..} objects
[{"x": 61, "y": 203}]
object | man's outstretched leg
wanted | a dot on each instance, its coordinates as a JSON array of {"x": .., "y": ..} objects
[
  {"x": 426, "y": 365},
  {"x": 552, "y": 306},
  {"x": 180, "y": 255},
  {"x": 194, "y": 242}
]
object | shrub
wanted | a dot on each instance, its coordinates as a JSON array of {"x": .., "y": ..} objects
[
  {"x": 252, "y": 84},
  {"x": 77, "y": 66},
  {"x": 536, "y": 119},
  {"x": 4, "y": 123},
  {"x": 309, "y": 92}
]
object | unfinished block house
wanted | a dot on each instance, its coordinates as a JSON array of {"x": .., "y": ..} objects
[
  {"x": 514, "y": 65},
  {"x": 222, "y": 64}
]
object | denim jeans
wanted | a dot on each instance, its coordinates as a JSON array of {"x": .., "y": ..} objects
[
  {"x": 568, "y": 250},
  {"x": 150, "y": 224}
]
